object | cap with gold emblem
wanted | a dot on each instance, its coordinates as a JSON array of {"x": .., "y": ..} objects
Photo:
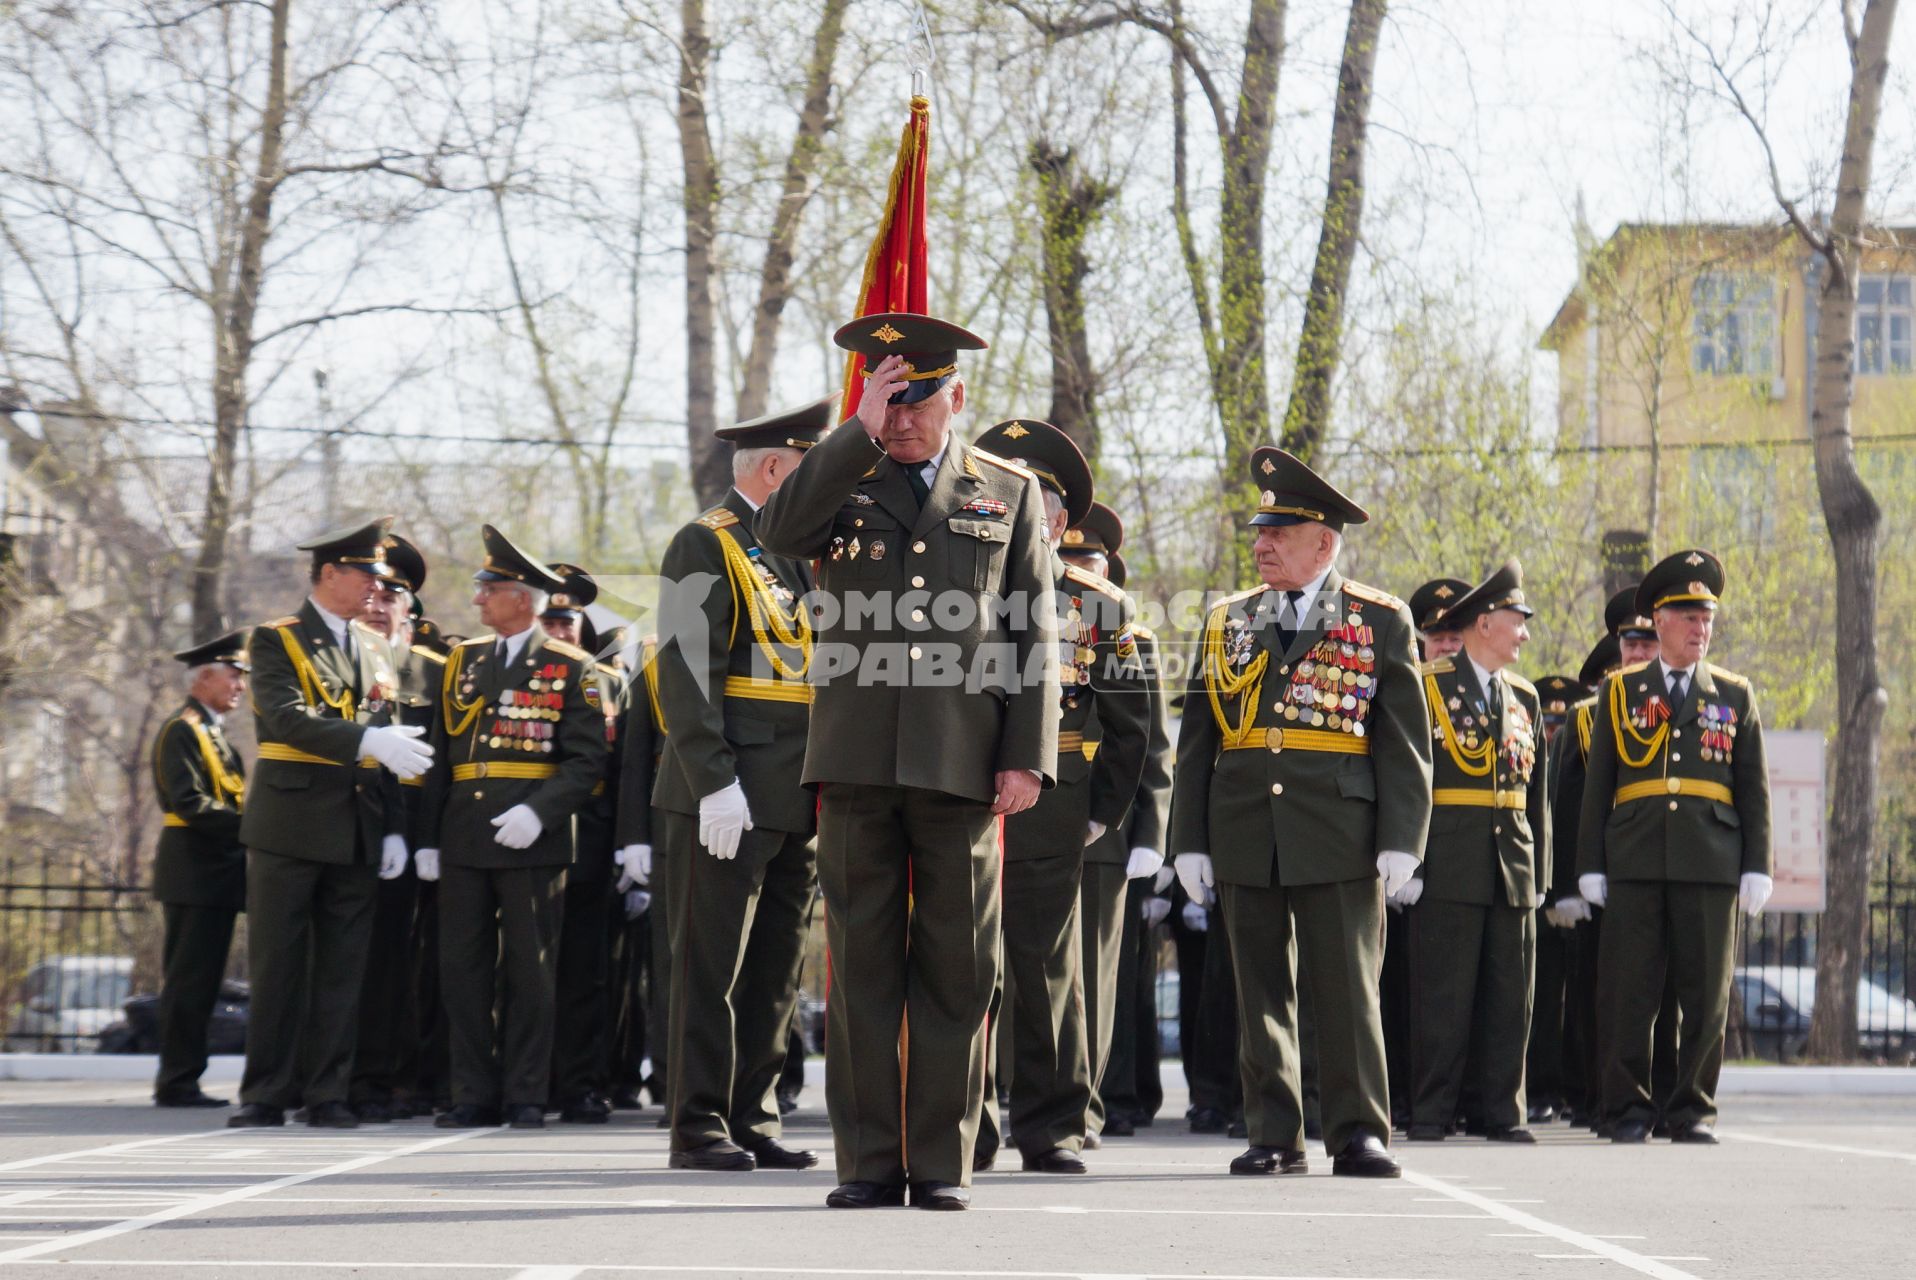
[
  {"x": 1116, "y": 571},
  {"x": 577, "y": 591},
  {"x": 506, "y": 563},
  {"x": 229, "y": 649},
  {"x": 361, "y": 547},
  {"x": 1622, "y": 618},
  {"x": 406, "y": 566},
  {"x": 1101, "y": 531},
  {"x": 1430, "y": 604},
  {"x": 426, "y": 632},
  {"x": 1693, "y": 577},
  {"x": 1605, "y": 657},
  {"x": 1047, "y": 453},
  {"x": 1501, "y": 590},
  {"x": 1289, "y": 492},
  {"x": 930, "y": 348},
  {"x": 797, "y": 428},
  {"x": 1558, "y": 693}
]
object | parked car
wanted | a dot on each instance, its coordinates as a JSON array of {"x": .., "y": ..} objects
[
  {"x": 66, "y": 1001},
  {"x": 139, "y": 1030},
  {"x": 1778, "y": 1000},
  {"x": 1169, "y": 1044}
]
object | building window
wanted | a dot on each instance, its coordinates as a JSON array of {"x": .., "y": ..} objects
[
  {"x": 1734, "y": 324},
  {"x": 1884, "y": 322}
]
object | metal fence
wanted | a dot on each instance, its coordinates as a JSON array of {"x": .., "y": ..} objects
[{"x": 71, "y": 951}]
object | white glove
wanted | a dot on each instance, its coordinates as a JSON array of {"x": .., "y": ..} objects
[
  {"x": 724, "y": 818},
  {"x": 1154, "y": 911},
  {"x": 1537, "y": 900},
  {"x": 1409, "y": 892},
  {"x": 1092, "y": 832},
  {"x": 637, "y": 902},
  {"x": 426, "y": 863},
  {"x": 1196, "y": 918},
  {"x": 397, "y": 746},
  {"x": 1571, "y": 911},
  {"x": 635, "y": 866},
  {"x": 392, "y": 857},
  {"x": 1197, "y": 876},
  {"x": 1143, "y": 862},
  {"x": 1594, "y": 887},
  {"x": 1163, "y": 879},
  {"x": 1754, "y": 892},
  {"x": 1395, "y": 870},
  {"x": 518, "y": 827}
]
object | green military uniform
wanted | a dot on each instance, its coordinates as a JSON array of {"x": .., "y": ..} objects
[
  {"x": 199, "y": 873},
  {"x": 429, "y": 1080},
  {"x": 1304, "y": 754},
  {"x": 732, "y": 686},
  {"x": 317, "y": 815},
  {"x": 1473, "y": 926},
  {"x": 1676, "y": 816},
  {"x": 642, "y": 952},
  {"x": 916, "y": 713},
  {"x": 1548, "y": 1071},
  {"x": 508, "y": 732}
]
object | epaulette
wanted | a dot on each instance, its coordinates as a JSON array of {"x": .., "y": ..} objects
[
  {"x": 572, "y": 651},
  {"x": 1372, "y": 594},
  {"x": 1230, "y": 600},
  {"x": 1092, "y": 580},
  {"x": 717, "y": 518},
  {"x": 190, "y": 714},
  {"x": 1741, "y": 682},
  {"x": 985, "y": 455},
  {"x": 291, "y": 620},
  {"x": 1143, "y": 632},
  {"x": 1436, "y": 667},
  {"x": 431, "y": 655},
  {"x": 470, "y": 641},
  {"x": 1590, "y": 701},
  {"x": 617, "y": 673},
  {"x": 1632, "y": 669},
  {"x": 1521, "y": 683}
]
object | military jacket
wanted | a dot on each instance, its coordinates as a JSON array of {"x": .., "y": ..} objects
[
  {"x": 1676, "y": 794},
  {"x": 420, "y": 671},
  {"x": 312, "y": 796},
  {"x": 934, "y": 668},
  {"x": 527, "y": 735},
  {"x": 1569, "y": 766},
  {"x": 1103, "y": 722},
  {"x": 201, "y": 784},
  {"x": 641, "y": 747},
  {"x": 1143, "y": 827},
  {"x": 1300, "y": 766},
  {"x": 733, "y": 686},
  {"x": 1490, "y": 827},
  {"x": 595, "y": 829}
]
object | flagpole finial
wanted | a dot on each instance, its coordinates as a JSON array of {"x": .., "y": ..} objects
[{"x": 920, "y": 53}]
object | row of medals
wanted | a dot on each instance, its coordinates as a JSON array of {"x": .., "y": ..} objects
[
  {"x": 1719, "y": 732},
  {"x": 529, "y": 717},
  {"x": 1332, "y": 686},
  {"x": 1075, "y": 652}
]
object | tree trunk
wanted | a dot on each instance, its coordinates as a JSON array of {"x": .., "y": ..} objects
[
  {"x": 710, "y": 474},
  {"x": 1855, "y": 522},
  {"x": 236, "y": 303},
  {"x": 1318, "y": 345},
  {"x": 1068, "y": 205},
  {"x": 775, "y": 275}
]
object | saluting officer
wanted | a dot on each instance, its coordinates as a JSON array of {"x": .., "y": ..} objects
[
  {"x": 1472, "y": 904},
  {"x": 199, "y": 870},
  {"x": 735, "y": 821},
  {"x": 1103, "y": 730},
  {"x": 521, "y": 747},
  {"x": 936, "y": 713},
  {"x": 1675, "y": 835},
  {"x": 1300, "y": 793}
]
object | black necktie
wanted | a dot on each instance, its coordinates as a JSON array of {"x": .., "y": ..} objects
[
  {"x": 1496, "y": 698},
  {"x": 1676, "y": 690},
  {"x": 502, "y": 652},
  {"x": 1289, "y": 619},
  {"x": 915, "y": 477}
]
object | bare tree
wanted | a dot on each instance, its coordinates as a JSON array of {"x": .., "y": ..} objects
[{"x": 1068, "y": 204}]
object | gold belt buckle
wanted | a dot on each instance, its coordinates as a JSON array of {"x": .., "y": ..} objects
[
  {"x": 1274, "y": 739},
  {"x": 1674, "y": 784},
  {"x": 480, "y": 769}
]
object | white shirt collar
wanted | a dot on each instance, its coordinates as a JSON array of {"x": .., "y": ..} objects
[
  {"x": 1484, "y": 674},
  {"x": 334, "y": 623},
  {"x": 215, "y": 718},
  {"x": 1667, "y": 669},
  {"x": 746, "y": 496},
  {"x": 929, "y": 468},
  {"x": 515, "y": 644},
  {"x": 1309, "y": 598}
]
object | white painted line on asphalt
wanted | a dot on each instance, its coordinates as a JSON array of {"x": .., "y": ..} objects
[
  {"x": 34, "y": 1162},
  {"x": 1831, "y": 1147},
  {"x": 549, "y": 1273},
  {"x": 1570, "y": 1257},
  {"x": 205, "y": 1204},
  {"x": 808, "y": 1204},
  {"x": 638, "y": 1268},
  {"x": 1592, "y": 1245}
]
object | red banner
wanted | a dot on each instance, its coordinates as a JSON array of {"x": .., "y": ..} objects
[{"x": 895, "y": 268}]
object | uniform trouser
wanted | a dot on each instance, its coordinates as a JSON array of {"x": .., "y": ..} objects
[
  {"x": 582, "y": 1020},
  {"x": 1395, "y": 1004},
  {"x": 1130, "y": 1085},
  {"x": 910, "y": 880},
  {"x": 1332, "y": 935},
  {"x": 500, "y": 922},
  {"x": 1545, "y": 1070},
  {"x": 193, "y": 956},
  {"x": 1652, "y": 928},
  {"x": 1665, "y": 1053},
  {"x": 791, "y": 1073},
  {"x": 990, "y": 1138},
  {"x": 1472, "y": 966},
  {"x": 1219, "y": 1043},
  {"x": 1582, "y": 1070},
  {"x": 1101, "y": 901},
  {"x": 630, "y": 942},
  {"x": 658, "y": 992},
  {"x": 738, "y": 940},
  {"x": 388, "y": 1015},
  {"x": 432, "y": 1073},
  {"x": 1050, "y": 1072},
  {"x": 308, "y": 924},
  {"x": 1192, "y": 961}
]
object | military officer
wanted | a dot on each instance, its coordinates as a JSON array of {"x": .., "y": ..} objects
[
  {"x": 199, "y": 870},
  {"x": 1103, "y": 731},
  {"x": 520, "y": 748},
  {"x": 1545, "y": 1078},
  {"x": 646, "y": 945},
  {"x": 1675, "y": 836},
  {"x": 936, "y": 714},
  {"x": 322, "y": 821},
  {"x": 735, "y": 821},
  {"x": 1300, "y": 793},
  {"x": 1472, "y": 904}
]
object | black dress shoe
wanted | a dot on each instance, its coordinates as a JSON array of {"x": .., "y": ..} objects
[
  {"x": 1092, "y": 1142},
  {"x": 301, "y": 1115},
  {"x": 1239, "y": 1129},
  {"x": 1056, "y": 1160},
  {"x": 1267, "y": 1160},
  {"x": 1426, "y": 1133},
  {"x": 1629, "y": 1131},
  {"x": 256, "y": 1115},
  {"x": 787, "y": 1101},
  {"x": 939, "y": 1195},
  {"x": 1542, "y": 1113},
  {"x": 627, "y": 1100},
  {"x": 1511, "y": 1133},
  {"x": 1364, "y": 1157},
  {"x": 467, "y": 1115},
  {"x": 587, "y": 1108},
  {"x": 1119, "y": 1125},
  {"x": 720, "y": 1156},
  {"x": 373, "y": 1112},
  {"x": 1208, "y": 1120},
  {"x": 1661, "y": 1129},
  {"x": 331, "y": 1115},
  {"x": 1703, "y": 1133},
  {"x": 981, "y": 1161},
  {"x": 866, "y": 1195},
  {"x": 773, "y": 1154},
  {"x": 193, "y": 1099},
  {"x": 525, "y": 1115}
]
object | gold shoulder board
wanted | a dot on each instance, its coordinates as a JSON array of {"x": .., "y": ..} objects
[
  {"x": 1521, "y": 683},
  {"x": 1729, "y": 677},
  {"x": 430, "y": 655},
  {"x": 1007, "y": 464},
  {"x": 1632, "y": 669},
  {"x": 570, "y": 651},
  {"x": 1437, "y": 666},
  {"x": 290, "y": 620},
  {"x": 474, "y": 641},
  {"x": 1092, "y": 580},
  {"x": 717, "y": 518},
  {"x": 1372, "y": 594}
]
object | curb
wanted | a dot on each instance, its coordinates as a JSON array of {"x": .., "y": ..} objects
[{"x": 224, "y": 1068}]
